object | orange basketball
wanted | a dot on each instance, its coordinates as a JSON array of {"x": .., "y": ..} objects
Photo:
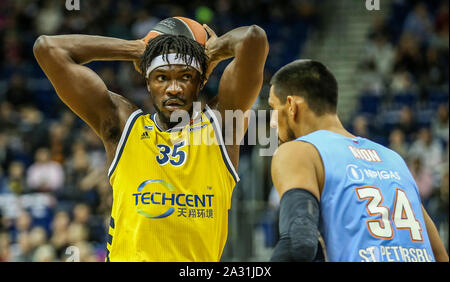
[{"x": 179, "y": 26}]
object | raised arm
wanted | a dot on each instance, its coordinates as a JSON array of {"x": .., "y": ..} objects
[
  {"x": 62, "y": 57},
  {"x": 243, "y": 77}
]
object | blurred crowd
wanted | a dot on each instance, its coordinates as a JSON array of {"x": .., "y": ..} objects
[
  {"x": 54, "y": 192},
  {"x": 404, "y": 95}
]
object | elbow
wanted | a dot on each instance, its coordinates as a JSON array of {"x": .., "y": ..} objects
[
  {"x": 41, "y": 46},
  {"x": 256, "y": 38},
  {"x": 292, "y": 250},
  {"x": 256, "y": 32},
  {"x": 305, "y": 250}
]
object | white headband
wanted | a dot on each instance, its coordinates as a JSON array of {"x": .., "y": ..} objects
[{"x": 171, "y": 59}]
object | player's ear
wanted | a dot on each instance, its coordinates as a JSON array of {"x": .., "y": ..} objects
[
  {"x": 292, "y": 106},
  {"x": 147, "y": 82},
  {"x": 203, "y": 83}
]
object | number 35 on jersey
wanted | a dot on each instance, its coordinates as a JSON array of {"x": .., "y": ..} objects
[{"x": 175, "y": 155}]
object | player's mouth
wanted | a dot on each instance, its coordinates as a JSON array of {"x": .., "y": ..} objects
[{"x": 174, "y": 104}]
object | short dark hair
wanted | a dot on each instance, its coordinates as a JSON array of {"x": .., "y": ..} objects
[
  {"x": 167, "y": 43},
  {"x": 309, "y": 79}
]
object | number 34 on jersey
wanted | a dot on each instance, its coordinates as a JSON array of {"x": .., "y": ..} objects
[{"x": 402, "y": 216}]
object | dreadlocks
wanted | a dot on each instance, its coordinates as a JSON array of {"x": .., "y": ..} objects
[{"x": 183, "y": 46}]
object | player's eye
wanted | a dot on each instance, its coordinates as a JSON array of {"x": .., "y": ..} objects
[
  {"x": 161, "y": 78},
  {"x": 187, "y": 76}
]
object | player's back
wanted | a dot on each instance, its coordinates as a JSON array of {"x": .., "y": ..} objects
[{"x": 370, "y": 205}]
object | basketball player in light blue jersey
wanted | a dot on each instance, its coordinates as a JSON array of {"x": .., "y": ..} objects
[{"x": 357, "y": 193}]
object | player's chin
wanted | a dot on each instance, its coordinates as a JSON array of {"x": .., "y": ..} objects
[
  {"x": 172, "y": 108},
  {"x": 177, "y": 112}
]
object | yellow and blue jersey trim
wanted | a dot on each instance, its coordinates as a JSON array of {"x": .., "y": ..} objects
[{"x": 123, "y": 139}]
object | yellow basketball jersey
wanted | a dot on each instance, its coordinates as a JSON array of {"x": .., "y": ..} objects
[{"x": 171, "y": 191}]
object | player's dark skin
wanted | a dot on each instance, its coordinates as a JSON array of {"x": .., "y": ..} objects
[
  {"x": 63, "y": 57},
  {"x": 173, "y": 88}
]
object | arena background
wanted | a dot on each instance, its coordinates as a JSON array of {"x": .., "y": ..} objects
[{"x": 391, "y": 65}]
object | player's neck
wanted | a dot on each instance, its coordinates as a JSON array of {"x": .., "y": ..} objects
[
  {"x": 330, "y": 122},
  {"x": 168, "y": 126},
  {"x": 163, "y": 125}
]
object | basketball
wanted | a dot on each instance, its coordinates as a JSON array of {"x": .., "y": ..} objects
[{"x": 179, "y": 26}]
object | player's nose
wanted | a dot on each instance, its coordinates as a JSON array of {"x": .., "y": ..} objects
[{"x": 174, "y": 89}]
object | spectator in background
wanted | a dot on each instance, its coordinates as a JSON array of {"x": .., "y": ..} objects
[
  {"x": 105, "y": 198},
  {"x": 82, "y": 215},
  {"x": 5, "y": 249},
  {"x": 8, "y": 117},
  {"x": 3, "y": 152},
  {"x": 44, "y": 253},
  {"x": 397, "y": 142},
  {"x": 418, "y": 23},
  {"x": 49, "y": 17},
  {"x": 440, "y": 124},
  {"x": 15, "y": 180},
  {"x": 23, "y": 222},
  {"x": 109, "y": 77},
  {"x": 17, "y": 93},
  {"x": 45, "y": 175},
  {"x": 32, "y": 129},
  {"x": 13, "y": 49},
  {"x": 439, "y": 205},
  {"x": 94, "y": 147},
  {"x": 435, "y": 73},
  {"x": 82, "y": 178},
  {"x": 86, "y": 252},
  {"x": 408, "y": 56},
  {"x": 440, "y": 38},
  {"x": 21, "y": 251},
  {"x": 57, "y": 137},
  {"x": 402, "y": 81},
  {"x": 429, "y": 151},
  {"x": 120, "y": 23},
  {"x": 143, "y": 24},
  {"x": 423, "y": 177},
  {"x": 370, "y": 81},
  {"x": 360, "y": 127},
  {"x": 407, "y": 123},
  {"x": 77, "y": 233},
  {"x": 381, "y": 52},
  {"x": 78, "y": 165},
  {"x": 38, "y": 237},
  {"x": 60, "y": 233}
]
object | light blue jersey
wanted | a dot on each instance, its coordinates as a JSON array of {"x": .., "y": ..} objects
[{"x": 370, "y": 205}]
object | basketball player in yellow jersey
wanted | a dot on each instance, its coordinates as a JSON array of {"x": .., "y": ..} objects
[{"x": 170, "y": 197}]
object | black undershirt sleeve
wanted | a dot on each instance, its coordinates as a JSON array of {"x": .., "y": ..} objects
[{"x": 298, "y": 227}]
